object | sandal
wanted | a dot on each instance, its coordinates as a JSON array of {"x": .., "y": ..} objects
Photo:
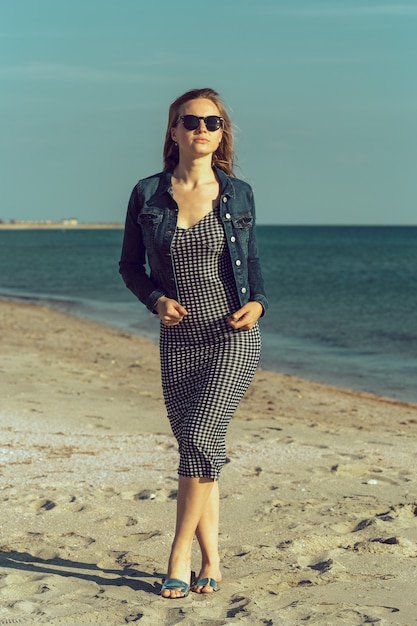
[
  {"x": 204, "y": 582},
  {"x": 176, "y": 583}
]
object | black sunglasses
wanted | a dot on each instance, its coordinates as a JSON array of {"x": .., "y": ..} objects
[{"x": 192, "y": 122}]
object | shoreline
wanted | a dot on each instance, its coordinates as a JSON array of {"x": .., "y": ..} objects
[
  {"x": 320, "y": 483},
  {"x": 62, "y": 226},
  {"x": 52, "y": 304},
  {"x": 149, "y": 331}
]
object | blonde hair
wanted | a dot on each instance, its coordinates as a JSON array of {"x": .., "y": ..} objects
[{"x": 224, "y": 157}]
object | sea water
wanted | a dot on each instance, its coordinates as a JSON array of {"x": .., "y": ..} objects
[{"x": 343, "y": 300}]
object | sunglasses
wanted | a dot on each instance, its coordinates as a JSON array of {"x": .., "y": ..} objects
[{"x": 192, "y": 122}]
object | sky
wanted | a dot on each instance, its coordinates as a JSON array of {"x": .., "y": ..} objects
[{"x": 323, "y": 95}]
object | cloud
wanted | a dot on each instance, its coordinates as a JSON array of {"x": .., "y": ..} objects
[
  {"x": 321, "y": 10},
  {"x": 40, "y": 71},
  {"x": 271, "y": 8}
]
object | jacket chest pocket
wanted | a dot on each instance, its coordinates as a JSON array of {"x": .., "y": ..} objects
[
  {"x": 242, "y": 222},
  {"x": 149, "y": 222}
]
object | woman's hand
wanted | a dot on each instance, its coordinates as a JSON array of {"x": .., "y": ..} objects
[
  {"x": 246, "y": 317},
  {"x": 170, "y": 311}
]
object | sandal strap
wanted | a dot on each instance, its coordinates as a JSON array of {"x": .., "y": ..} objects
[
  {"x": 175, "y": 583},
  {"x": 203, "y": 582}
]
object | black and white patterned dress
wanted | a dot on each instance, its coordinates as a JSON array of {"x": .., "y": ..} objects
[{"x": 206, "y": 366}]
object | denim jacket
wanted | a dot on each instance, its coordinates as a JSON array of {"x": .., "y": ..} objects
[{"x": 150, "y": 226}]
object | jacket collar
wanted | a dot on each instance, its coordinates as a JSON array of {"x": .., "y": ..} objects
[{"x": 226, "y": 185}]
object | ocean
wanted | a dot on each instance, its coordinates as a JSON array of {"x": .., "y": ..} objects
[{"x": 343, "y": 300}]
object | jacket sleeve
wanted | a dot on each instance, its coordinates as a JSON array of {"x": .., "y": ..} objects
[
  {"x": 255, "y": 278},
  {"x": 132, "y": 265}
]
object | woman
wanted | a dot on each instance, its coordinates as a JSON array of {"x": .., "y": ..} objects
[{"x": 195, "y": 225}]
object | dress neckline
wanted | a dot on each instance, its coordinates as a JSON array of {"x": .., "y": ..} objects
[{"x": 199, "y": 221}]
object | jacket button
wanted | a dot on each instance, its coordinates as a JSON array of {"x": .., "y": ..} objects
[
  {"x": 243, "y": 290},
  {"x": 224, "y": 199},
  {"x": 233, "y": 239},
  {"x": 228, "y": 216},
  {"x": 238, "y": 262}
]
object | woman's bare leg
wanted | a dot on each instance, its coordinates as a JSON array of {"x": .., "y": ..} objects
[
  {"x": 193, "y": 495},
  {"x": 208, "y": 539}
]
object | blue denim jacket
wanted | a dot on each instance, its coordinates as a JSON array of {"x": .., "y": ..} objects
[{"x": 150, "y": 225}]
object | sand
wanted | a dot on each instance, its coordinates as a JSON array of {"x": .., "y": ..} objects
[{"x": 319, "y": 497}]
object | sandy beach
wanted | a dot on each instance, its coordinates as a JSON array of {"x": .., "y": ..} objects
[{"x": 319, "y": 497}]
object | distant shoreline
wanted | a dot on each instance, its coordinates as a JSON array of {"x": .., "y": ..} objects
[{"x": 61, "y": 226}]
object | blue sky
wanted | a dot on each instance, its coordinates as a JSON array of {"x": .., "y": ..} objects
[{"x": 323, "y": 95}]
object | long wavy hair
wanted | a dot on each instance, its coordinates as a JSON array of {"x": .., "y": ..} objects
[{"x": 224, "y": 157}]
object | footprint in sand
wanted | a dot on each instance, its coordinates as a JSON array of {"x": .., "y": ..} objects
[
  {"x": 403, "y": 515},
  {"x": 320, "y": 613},
  {"x": 43, "y": 505},
  {"x": 120, "y": 521}
]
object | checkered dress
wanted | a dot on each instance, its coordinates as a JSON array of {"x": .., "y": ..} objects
[{"x": 206, "y": 366}]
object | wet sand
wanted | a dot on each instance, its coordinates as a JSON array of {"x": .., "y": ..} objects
[{"x": 319, "y": 498}]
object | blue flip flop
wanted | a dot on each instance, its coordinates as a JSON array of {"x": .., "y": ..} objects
[
  {"x": 203, "y": 582},
  {"x": 176, "y": 583}
]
